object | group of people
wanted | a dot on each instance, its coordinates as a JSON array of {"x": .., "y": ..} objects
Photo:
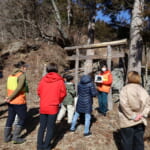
[{"x": 57, "y": 96}]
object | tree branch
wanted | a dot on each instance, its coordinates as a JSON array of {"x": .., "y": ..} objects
[
  {"x": 18, "y": 20},
  {"x": 41, "y": 32},
  {"x": 58, "y": 20}
]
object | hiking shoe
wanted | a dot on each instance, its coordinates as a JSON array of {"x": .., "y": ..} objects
[
  {"x": 72, "y": 130},
  {"x": 19, "y": 141},
  {"x": 87, "y": 134}
]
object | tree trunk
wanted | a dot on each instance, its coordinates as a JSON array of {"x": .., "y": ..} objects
[
  {"x": 91, "y": 30},
  {"x": 69, "y": 12},
  {"x": 136, "y": 42},
  {"x": 58, "y": 20},
  {"x": 109, "y": 56},
  {"x": 64, "y": 38}
]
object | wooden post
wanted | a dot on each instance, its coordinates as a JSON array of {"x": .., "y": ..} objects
[
  {"x": 44, "y": 70},
  {"x": 98, "y": 45},
  {"x": 88, "y": 65},
  {"x": 76, "y": 68},
  {"x": 146, "y": 66},
  {"x": 109, "y": 54}
]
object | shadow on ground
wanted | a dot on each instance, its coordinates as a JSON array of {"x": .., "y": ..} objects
[
  {"x": 31, "y": 121},
  {"x": 60, "y": 130},
  {"x": 63, "y": 127},
  {"x": 3, "y": 111}
]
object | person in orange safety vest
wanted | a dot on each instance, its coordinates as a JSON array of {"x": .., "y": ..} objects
[
  {"x": 103, "y": 89},
  {"x": 16, "y": 100}
]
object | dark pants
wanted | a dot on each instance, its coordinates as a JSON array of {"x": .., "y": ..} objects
[
  {"x": 47, "y": 123},
  {"x": 20, "y": 110},
  {"x": 132, "y": 137},
  {"x": 102, "y": 100}
]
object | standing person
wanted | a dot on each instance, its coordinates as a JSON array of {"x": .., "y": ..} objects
[
  {"x": 134, "y": 107},
  {"x": 51, "y": 90},
  {"x": 64, "y": 77},
  {"x": 86, "y": 92},
  {"x": 67, "y": 104},
  {"x": 104, "y": 88},
  {"x": 16, "y": 99}
]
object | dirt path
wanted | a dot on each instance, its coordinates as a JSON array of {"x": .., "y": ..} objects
[{"x": 105, "y": 135}]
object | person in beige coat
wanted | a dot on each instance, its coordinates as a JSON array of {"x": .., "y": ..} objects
[{"x": 134, "y": 107}]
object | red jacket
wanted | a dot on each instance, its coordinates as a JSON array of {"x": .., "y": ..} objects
[
  {"x": 51, "y": 90},
  {"x": 107, "y": 81}
]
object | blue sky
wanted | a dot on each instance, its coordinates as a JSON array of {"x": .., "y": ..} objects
[
  {"x": 123, "y": 15},
  {"x": 100, "y": 16}
]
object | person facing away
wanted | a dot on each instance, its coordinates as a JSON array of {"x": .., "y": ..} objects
[
  {"x": 103, "y": 89},
  {"x": 86, "y": 92},
  {"x": 68, "y": 103},
  {"x": 134, "y": 107},
  {"x": 16, "y": 99},
  {"x": 51, "y": 90}
]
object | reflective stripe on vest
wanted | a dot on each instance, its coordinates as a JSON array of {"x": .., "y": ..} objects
[
  {"x": 12, "y": 84},
  {"x": 102, "y": 87}
]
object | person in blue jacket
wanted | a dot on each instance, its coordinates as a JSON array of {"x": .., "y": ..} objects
[{"x": 86, "y": 92}]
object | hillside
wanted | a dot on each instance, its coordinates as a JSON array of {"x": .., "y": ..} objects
[{"x": 105, "y": 134}]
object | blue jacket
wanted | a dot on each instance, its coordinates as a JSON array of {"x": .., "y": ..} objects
[{"x": 86, "y": 92}]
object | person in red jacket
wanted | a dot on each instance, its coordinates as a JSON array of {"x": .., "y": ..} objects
[
  {"x": 51, "y": 90},
  {"x": 104, "y": 88}
]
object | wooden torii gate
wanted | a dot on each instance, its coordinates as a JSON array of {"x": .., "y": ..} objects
[{"x": 109, "y": 56}]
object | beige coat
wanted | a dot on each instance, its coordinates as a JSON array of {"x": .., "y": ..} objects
[{"x": 134, "y": 100}]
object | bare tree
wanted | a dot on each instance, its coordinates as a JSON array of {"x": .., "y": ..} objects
[
  {"x": 91, "y": 30},
  {"x": 136, "y": 42},
  {"x": 17, "y": 20},
  {"x": 31, "y": 19},
  {"x": 69, "y": 13}
]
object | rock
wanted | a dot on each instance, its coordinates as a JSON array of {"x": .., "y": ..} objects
[{"x": 118, "y": 78}]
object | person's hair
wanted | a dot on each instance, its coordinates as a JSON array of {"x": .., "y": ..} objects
[
  {"x": 69, "y": 78},
  {"x": 52, "y": 67},
  {"x": 134, "y": 77},
  {"x": 20, "y": 64},
  {"x": 64, "y": 76},
  {"x": 102, "y": 64}
]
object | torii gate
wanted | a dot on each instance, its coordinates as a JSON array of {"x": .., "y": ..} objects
[{"x": 109, "y": 55}]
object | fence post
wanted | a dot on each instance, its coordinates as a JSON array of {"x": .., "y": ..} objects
[
  {"x": 76, "y": 68},
  {"x": 109, "y": 55}
]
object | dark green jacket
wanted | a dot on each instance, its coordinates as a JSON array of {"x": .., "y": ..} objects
[{"x": 69, "y": 99}]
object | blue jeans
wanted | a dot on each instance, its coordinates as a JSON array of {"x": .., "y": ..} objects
[
  {"x": 102, "y": 100},
  {"x": 87, "y": 122},
  {"x": 132, "y": 137},
  {"x": 47, "y": 123},
  {"x": 20, "y": 110}
]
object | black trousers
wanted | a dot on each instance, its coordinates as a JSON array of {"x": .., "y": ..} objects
[
  {"x": 20, "y": 110},
  {"x": 132, "y": 137},
  {"x": 47, "y": 124}
]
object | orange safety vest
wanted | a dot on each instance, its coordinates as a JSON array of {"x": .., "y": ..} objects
[
  {"x": 105, "y": 87},
  {"x": 12, "y": 83}
]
